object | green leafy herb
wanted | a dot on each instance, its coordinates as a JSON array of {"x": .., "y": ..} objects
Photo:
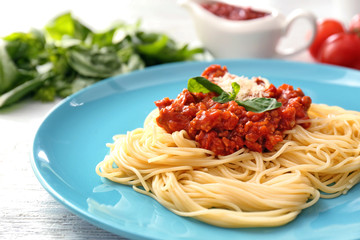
[
  {"x": 225, "y": 97},
  {"x": 257, "y": 105},
  {"x": 67, "y": 56},
  {"x": 201, "y": 84},
  {"x": 8, "y": 71},
  {"x": 20, "y": 91},
  {"x": 67, "y": 26},
  {"x": 235, "y": 90},
  {"x": 157, "y": 48},
  {"x": 27, "y": 50}
]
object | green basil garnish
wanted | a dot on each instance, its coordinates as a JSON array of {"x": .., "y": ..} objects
[
  {"x": 257, "y": 105},
  {"x": 202, "y": 85},
  {"x": 225, "y": 97}
]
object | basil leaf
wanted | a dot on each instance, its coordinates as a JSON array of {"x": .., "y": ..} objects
[
  {"x": 8, "y": 71},
  {"x": 201, "y": 84},
  {"x": 235, "y": 90},
  {"x": 108, "y": 37},
  {"x": 224, "y": 97},
  {"x": 100, "y": 63},
  {"x": 19, "y": 92},
  {"x": 258, "y": 105},
  {"x": 153, "y": 47},
  {"x": 45, "y": 94},
  {"x": 67, "y": 25},
  {"x": 195, "y": 87},
  {"x": 156, "y": 48},
  {"x": 27, "y": 50}
]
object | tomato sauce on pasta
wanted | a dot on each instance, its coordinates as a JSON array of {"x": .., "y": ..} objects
[{"x": 224, "y": 128}]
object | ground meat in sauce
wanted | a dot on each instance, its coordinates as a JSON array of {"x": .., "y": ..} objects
[{"x": 226, "y": 128}]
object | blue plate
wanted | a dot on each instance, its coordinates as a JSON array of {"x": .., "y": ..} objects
[{"x": 71, "y": 141}]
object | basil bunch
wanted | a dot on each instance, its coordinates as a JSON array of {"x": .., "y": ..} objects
[
  {"x": 68, "y": 56},
  {"x": 257, "y": 105}
]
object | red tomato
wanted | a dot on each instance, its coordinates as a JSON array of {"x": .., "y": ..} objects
[
  {"x": 355, "y": 24},
  {"x": 341, "y": 49},
  {"x": 325, "y": 28}
]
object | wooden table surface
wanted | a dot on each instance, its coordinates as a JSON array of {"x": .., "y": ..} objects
[{"x": 27, "y": 211}]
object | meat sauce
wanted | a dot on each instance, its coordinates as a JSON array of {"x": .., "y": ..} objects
[
  {"x": 227, "y": 127},
  {"x": 232, "y": 12}
]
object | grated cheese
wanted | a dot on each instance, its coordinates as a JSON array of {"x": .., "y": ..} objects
[{"x": 249, "y": 88}]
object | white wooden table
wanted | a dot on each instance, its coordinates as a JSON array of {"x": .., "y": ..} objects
[{"x": 27, "y": 211}]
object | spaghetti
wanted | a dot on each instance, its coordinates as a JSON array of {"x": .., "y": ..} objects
[{"x": 245, "y": 188}]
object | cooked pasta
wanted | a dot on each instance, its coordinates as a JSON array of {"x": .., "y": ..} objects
[{"x": 245, "y": 188}]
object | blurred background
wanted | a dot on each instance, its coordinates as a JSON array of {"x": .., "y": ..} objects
[
  {"x": 20, "y": 15},
  {"x": 159, "y": 15},
  {"x": 156, "y": 15}
]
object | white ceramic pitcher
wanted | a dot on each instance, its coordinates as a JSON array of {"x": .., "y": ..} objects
[{"x": 255, "y": 38}]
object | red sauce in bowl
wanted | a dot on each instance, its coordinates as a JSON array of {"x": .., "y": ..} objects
[
  {"x": 232, "y": 12},
  {"x": 227, "y": 127}
]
